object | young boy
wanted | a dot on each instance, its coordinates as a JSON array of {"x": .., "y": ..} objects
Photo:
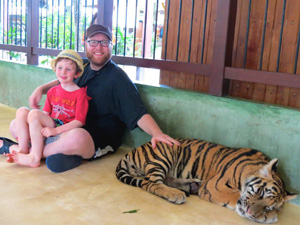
[{"x": 65, "y": 108}]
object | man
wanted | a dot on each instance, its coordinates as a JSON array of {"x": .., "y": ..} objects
[{"x": 115, "y": 105}]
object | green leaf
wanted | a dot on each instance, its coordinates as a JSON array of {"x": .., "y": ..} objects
[{"x": 132, "y": 211}]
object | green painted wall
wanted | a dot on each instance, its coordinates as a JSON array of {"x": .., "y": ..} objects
[{"x": 273, "y": 130}]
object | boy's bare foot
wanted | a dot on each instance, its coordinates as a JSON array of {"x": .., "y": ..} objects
[
  {"x": 23, "y": 151},
  {"x": 25, "y": 159},
  {"x": 9, "y": 158}
]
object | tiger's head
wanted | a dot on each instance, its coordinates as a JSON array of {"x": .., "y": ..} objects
[{"x": 263, "y": 194}]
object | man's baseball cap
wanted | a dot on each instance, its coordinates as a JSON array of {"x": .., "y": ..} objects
[{"x": 96, "y": 29}]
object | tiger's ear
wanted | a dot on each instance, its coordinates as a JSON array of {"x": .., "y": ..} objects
[
  {"x": 289, "y": 196},
  {"x": 266, "y": 171}
]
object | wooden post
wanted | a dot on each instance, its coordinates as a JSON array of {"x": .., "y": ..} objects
[
  {"x": 33, "y": 31},
  {"x": 105, "y": 12},
  {"x": 222, "y": 55}
]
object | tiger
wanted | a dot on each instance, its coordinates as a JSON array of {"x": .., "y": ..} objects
[{"x": 241, "y": 179}]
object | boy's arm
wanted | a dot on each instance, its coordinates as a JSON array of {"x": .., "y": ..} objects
[
  {"x": 37, "y": 94},
  {"x": 53, "y": 131}
]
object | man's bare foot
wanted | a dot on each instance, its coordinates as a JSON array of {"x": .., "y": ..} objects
[{"x": 25, "y": 159}]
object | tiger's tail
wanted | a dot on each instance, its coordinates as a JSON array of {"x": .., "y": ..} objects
[{"x": 125, "y": 170}]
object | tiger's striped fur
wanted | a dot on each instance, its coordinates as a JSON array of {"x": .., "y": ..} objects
[{"x": 241, "y": 179}]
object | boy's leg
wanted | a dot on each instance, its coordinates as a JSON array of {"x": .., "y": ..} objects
[
  {"x": 37, "y": 120},
  {"x": 23, "y": 129}
]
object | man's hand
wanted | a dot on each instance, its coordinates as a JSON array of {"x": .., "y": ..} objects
[
  {"x": 148, "y": 124},
  {"x": 165, "y": 139},
  {"x": 35, "y": 98}
]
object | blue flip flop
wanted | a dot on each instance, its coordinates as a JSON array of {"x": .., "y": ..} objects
[
  {"x": 58, "y": 163},
  {"x": 6, "y": 144}
]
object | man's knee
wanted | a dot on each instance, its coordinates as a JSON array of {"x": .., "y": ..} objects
[
  {"x": 13, "y": 129},
  {"x": 81, "y": 141}
]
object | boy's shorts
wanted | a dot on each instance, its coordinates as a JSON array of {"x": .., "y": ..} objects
[{"x": 58, "y": 122}]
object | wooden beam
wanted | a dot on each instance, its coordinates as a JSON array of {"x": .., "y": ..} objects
[
  {"x": 264, "y": 77},
  {"x": 164, "y": 65}
]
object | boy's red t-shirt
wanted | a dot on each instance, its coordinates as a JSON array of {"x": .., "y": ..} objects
[{"x": 67, "y": 106}]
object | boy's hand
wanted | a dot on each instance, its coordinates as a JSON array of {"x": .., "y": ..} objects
[{"x": 48, "y": 131}]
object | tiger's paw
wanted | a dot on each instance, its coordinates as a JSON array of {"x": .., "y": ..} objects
[{"x": 175, "y": 196}]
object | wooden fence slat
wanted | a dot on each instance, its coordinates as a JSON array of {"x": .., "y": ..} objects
[
  {"x": 241, "y": 31},
  {"x": 255, "y": 45},
  {"x": 270, "y": 93},
  {"x": 289, "y": 48},
  {"x": 210, "y": 34},
  {"x": 197, "y": 36}
]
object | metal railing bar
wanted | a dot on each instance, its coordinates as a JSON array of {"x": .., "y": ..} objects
[
  {"x": 155, "y": 29},
  {"x": 135, "y": 20},
  {"x": 117, "y": 27},
  {"x": 16, "y": 22},
  {"x": 46, "y": 30},
  {"x": 26, "y": 21},
  {"x": 78, "y": 21},
  {"x": 167, "y": 30},
  {"x": 52, "y": 24},
  {"x": 125, "y": 31},
  {"x": 64, "y": 40},
  {"x": 41, "y": 27},
  {"x": 280, "y": 38},
  {"x": 58, "y": 18},
  {"x": 7, "y": 24},
  {"x": 85, "y": 26},
  {"x": 71, "y": 27},
  {"x": 263, "y": 36},
  {"x": 3, "y": 18},
  {"x": 93, "y": 6},
  {"x": 145, "y": 27},
  {"x": 21, "y": 23}
]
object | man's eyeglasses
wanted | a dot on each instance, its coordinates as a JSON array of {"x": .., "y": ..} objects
[{"x": 104, "y": 43}]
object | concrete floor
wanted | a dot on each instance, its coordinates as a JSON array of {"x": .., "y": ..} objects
[{"x": 91, "y": 194}]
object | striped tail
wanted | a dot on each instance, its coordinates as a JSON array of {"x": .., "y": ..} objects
[{"x": 123, "y": 174}]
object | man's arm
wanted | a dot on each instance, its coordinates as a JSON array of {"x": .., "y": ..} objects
[
  {"x": 148, "y": 124},
  {"x": 37, "y": 94}
]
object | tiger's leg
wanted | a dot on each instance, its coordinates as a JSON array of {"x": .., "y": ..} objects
[
  {"x": 189, "y": 186},
  {"x": 216, "y": 191},
  {"x": 153, "y": 183}
]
